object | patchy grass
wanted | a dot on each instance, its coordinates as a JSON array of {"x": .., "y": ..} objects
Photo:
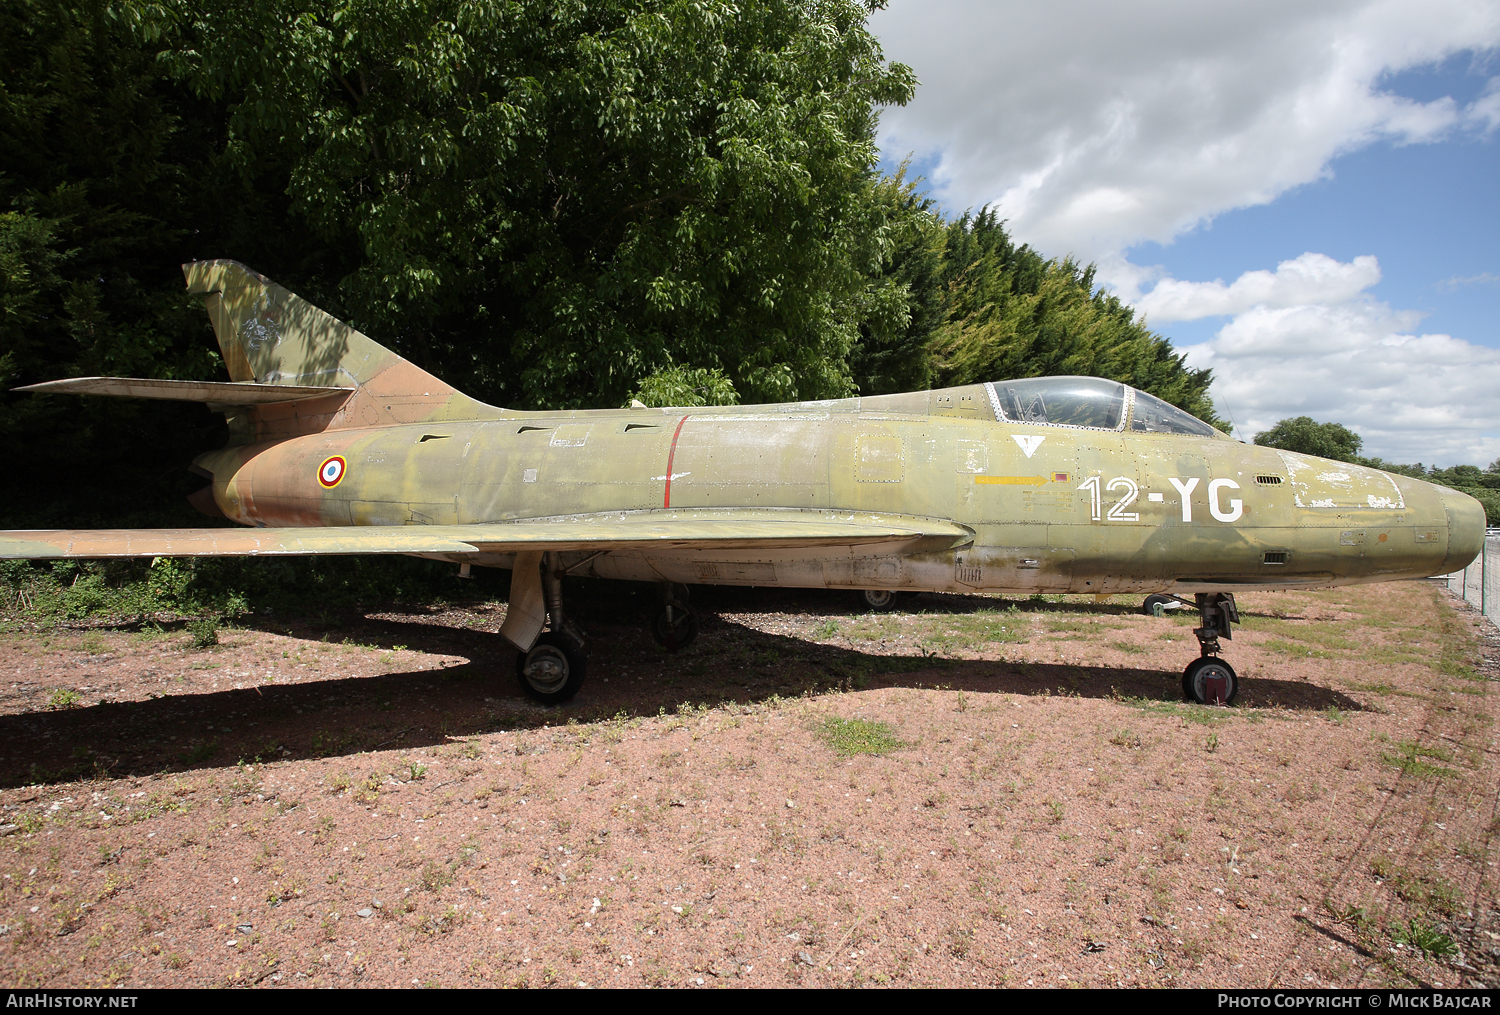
[
  {"x": 1297, "y": 649},
  {"x": 1381, "y": 687},
  {"x": 1411, "y": 757},
  {"x": 858, "y": 736},
  {"x": 1205, "y": 714},
  {"x": 1424, "y": 937},
  {"x": 205, "y": 632},
  {"x": 64, "y": 697}
]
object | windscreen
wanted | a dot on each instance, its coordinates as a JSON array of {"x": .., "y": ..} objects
[
  {"x": 1152, "y": 415},
  {"x": 1061, "y": 401}
]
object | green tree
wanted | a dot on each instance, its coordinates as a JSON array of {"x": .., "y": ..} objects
[
  {"x": 1415, "y": 471},
  {"x": 1009, "y": 312},
  {"x": 104, "y": 178},
  {"x": 1458, "y": 475},
  {"x": 686, "y": 386},
  {"x": 552, "y": 200},
  {"x": 907, "y": 296},
  {"x": 547, "y": 203},
  {"x": 1306, "y": 436}
]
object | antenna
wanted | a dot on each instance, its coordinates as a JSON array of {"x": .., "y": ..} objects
[{"x": 1232, "y": 423}]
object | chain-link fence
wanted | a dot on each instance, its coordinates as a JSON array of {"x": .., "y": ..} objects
[{"x": 1479, "y": 583}]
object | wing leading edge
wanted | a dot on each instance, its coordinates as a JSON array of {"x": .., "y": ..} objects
[
  {"x": 211, "y": 392},
  {"x": 643, "y": 530}
]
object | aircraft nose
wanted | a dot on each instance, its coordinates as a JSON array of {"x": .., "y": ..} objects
[{"x": 1465, "y": 529}]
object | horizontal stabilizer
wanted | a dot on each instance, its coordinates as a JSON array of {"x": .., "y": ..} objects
[
  {"x": 212, "y": 392},
  {"x": 662, "y": 531}
]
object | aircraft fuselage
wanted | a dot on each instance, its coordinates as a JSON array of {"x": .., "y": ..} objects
[{"x": 1052, "y": 508}]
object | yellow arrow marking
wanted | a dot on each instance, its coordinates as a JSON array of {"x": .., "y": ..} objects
[{"x": 1010, "y": 480}]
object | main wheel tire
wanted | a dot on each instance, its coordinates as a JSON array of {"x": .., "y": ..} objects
[
  {"x": 675, "y": 627},
  {"x": 553, "y": 671},
  {"x": 1209, "y": 680},
  {"x": 1165, "y": 602},
  {"x": 879, "y": 600}
]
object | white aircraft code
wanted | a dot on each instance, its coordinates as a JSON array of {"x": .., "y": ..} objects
[{"x": 1185, "y": 487}]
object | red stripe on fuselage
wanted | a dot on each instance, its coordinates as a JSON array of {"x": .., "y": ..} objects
[{"x": 666, "y": 500}]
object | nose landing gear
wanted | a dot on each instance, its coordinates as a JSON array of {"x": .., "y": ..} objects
[{"x": 1209, "y": 680}]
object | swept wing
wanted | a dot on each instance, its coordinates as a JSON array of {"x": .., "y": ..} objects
[
  {"x": 656, "y": 530},
  {"x": 212, "y": 392}
]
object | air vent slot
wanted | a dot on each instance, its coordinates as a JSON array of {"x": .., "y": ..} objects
[
  {"x": 434, "y": 437},
  {"x": 1269, "y": 480},
  {"x": 1275, "y": 557}
]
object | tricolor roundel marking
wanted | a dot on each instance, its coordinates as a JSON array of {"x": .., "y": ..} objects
[{"x": 331, "y": 472}]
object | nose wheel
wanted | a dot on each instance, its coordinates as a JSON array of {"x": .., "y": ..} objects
[{"x": 1209, "y": 680}]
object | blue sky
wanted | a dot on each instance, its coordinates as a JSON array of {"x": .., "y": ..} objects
[
  {"x": 1302, "y": 196},
  {"x": 1429, "y": 212}
]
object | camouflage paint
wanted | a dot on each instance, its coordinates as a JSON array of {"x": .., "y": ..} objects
[{"x": 928, "y": 490}]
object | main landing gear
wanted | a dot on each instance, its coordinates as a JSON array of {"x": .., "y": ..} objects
[
  {"x": 675, "y": 625},
  {"x": 1157, "y": 605},
  {"x": 881, "y": 600},
  {"x": 553, "y": 663},
  {"x": 1209, "y": 680}
]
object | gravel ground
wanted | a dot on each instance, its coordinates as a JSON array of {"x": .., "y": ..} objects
[{"x": 369, "y": 802}]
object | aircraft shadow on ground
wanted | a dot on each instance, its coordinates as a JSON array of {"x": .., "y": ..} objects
[{"x": 629, "y": 676}]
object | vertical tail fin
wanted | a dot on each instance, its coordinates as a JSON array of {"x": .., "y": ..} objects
[{"x": 269, "y": 335}]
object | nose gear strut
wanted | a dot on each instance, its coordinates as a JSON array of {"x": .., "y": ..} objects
[{"x": 1209, "y": 680}]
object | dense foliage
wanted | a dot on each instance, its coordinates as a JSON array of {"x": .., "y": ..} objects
[
  {"x": 550, "y": 204},
  {"x": 1009, "y": 312}
]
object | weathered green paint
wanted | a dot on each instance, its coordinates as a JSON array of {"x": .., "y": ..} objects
[{"x": 928, "y": 490}]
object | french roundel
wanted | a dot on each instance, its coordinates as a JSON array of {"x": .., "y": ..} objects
[{"x": 331, "y": 472}]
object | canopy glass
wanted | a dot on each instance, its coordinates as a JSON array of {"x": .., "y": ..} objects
[{"x": 1089, "y": 402}]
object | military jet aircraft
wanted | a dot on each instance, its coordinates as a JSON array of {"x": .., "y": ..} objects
[{"x": 1049, "y": 484}]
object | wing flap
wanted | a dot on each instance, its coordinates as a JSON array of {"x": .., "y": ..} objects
[
  {"x": 705, "y": 529},
  {"x": 643, "y": 530},
  {"x": 212, "y": 392}
]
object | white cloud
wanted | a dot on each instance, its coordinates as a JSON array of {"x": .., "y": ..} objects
[
  {"x": 1483, "y": 278},
  {"x": 1095, "y": 125},
  {"x": 1483, "y": 114},
  {"x": 1311, "y": 278},
  {"x": 1347, "y": 358}
]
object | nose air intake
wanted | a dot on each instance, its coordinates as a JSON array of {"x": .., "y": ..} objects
[{"x": 1465, "y": 530}]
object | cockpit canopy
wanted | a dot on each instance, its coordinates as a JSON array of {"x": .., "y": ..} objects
[{"x": 1091, "y": 402}]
